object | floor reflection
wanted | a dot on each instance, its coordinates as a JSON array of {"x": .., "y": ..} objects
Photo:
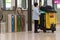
[
  {"x": 28, "y": 36},
  {"x": 31, "y": 35}
]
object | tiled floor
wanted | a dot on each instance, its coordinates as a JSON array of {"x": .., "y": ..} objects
[{"x": 31, "y": 35}]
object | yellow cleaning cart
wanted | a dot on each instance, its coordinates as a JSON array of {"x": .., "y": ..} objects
[{"x": 48, "y": 19}]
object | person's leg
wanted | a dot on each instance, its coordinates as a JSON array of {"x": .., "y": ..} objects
[{"x": 36, "y": 26}]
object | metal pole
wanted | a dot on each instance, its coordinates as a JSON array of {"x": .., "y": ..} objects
[
  {"x": 15, "y": 4},
  {"x": 40, "y": 3},
  {"x": 53, "y": 3},
  {"x": 29, "y": 15}
]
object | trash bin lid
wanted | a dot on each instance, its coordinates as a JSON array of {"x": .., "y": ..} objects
[{"x": 47, "y": 8}]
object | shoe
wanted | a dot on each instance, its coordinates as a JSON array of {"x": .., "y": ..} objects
[{"x": 36, "y": 32}]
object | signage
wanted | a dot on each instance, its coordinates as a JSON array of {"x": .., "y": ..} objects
[{"x": 57, "y": 1}]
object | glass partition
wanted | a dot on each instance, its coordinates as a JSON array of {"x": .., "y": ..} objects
[
  {"x": 58, "y": 6},
  {"x": 8, "y": 4}
]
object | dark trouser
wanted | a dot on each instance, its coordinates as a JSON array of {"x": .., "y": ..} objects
[{"x": 36, "y": 25}]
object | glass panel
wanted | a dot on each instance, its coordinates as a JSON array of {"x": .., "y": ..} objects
[
  {"x": 8, "y": 4},
  {"x": 38, "y": 2},
  {"x": 27, "y": 4},
  {"x": 58, "y": 6},
  {"x": 32, "y": 2},
  {"x": 8, "y": 1},
  {"x": 23, "y": 4},
  {"x": 49, "y": 2},
  {"x": 42, "y": 2},
  {"x": 1, "y": 3},
  {"x": 19, "y": 3}
]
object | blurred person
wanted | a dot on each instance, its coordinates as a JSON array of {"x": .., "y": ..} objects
[
  {"x": 19, "y": 11},
  {"x": 36, "y": 17}
]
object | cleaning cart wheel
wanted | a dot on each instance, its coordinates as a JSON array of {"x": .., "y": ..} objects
[
  {"x": 52, "y": 31},
  {"x": 44, "y": 31},
  {"x": 52, "y": 28}
]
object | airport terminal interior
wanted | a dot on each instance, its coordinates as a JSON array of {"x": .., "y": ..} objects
[{"x": 16, "y": 21}]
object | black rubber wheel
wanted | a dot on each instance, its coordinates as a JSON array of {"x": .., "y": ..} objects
[
  {"x": 52, "y": 31},
  {"x": 44, "y": 31},
  {"x": 53, "y": 28}
]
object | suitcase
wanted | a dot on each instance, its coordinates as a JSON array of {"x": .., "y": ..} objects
[
  {"x": 3, "y": 27},
  {"x": 15, "y": 23},
  {"x": 18, "y": 23},
  {"x": 12, "y": 23},
  {"x": 22, "y": 23},
  {"x": 9, "y": 23}
]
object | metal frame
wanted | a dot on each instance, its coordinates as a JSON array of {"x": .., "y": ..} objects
[
  {"x": 29, "y": 15},
  {"x": 15, "y": 4}
]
